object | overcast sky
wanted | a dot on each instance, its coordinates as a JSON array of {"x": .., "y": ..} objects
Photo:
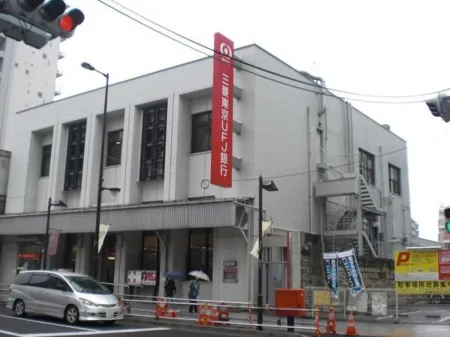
[{"x": 372, "y": 47}]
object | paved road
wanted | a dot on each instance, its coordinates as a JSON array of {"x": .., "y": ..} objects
[{"x": 11, "y": 326}]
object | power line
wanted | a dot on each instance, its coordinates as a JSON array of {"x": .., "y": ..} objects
[
  {"x": 249, "y": 71},
  {"x": 261, "y": 68}
]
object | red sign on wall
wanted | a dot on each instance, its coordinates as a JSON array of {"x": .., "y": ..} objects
[
  {"x": 222, "y": 112},
  {"x": 444, "y": 265}
]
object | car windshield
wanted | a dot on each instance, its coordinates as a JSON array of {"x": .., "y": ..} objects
[{"x": 86, "y": 284}]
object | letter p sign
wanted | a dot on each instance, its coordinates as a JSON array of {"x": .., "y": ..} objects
[{"x": 402, "y": 258}]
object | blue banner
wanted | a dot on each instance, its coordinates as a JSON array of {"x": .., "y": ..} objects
[
  {"x": 330, "y": 262},
  {"x": 354, "y": 278}
]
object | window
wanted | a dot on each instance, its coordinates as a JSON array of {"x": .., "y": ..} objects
[
  {"x": 22, "y": 279},
  {"x": 55, "y": 283},
  {"x": 367, "y": 166},
  {"x": 320, "y": 147},
  {"x": 150, "y": 251},
  {"x": 394, "y": 180},
  {"x": 75, "y": 156},
  {"x": 114, "y": 152},
  {"x": 153, "y": 148},
  {"x": 87, "y": 285},
  {"x": 39, "y": 280},
  {"x": 201, "y": 132},
  {"x": 46, "y": 156},
  {"x": 200, "y": 250}
]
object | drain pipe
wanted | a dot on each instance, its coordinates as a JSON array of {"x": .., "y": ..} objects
[{"x": 309, "y": 168}]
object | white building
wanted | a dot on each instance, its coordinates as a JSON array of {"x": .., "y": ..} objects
[
  {"x": 27, "y": 77},
  {"x": 338, "y": 172}
]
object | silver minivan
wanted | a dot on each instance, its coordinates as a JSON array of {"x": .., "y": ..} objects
[{"x": 69, "y": 296}]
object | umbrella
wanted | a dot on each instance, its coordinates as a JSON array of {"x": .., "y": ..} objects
[
  {"x": 199, "y": 274},
  {"x": 174, "y": 274}
]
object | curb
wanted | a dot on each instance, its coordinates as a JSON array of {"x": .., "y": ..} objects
[{"x": 232, "y": 331}]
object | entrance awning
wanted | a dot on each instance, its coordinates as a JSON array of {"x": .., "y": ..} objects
[{"x": 162, "y": 216}]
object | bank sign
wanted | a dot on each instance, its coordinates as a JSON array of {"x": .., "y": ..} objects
[{"x": 422, "y": 272}]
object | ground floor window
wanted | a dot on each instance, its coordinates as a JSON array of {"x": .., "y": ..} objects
[
  {"x": 200, "y": 250},
  {"x": 150, "y": 251},
  {"x": 71, "y": 251},
  {"x": 29, "y": 256}
]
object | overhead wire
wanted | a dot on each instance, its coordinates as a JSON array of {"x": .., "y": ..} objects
[
  {"x": 268, "y": 78},
  {"x": 255, "y": 66}
]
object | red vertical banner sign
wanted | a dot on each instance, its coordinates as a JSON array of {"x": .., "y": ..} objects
[
  {"x": 444, "y": 265},
  {"x": 53, "y": 241},
  {"x": 222, "y": 112}
]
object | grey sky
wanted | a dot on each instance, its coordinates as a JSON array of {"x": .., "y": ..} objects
[{"x": 372, "y": 47}]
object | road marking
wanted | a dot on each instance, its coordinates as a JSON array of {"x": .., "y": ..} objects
[
  {"x": 409, "y": 313},
  {"x": 384, "y": 317},
  {"x": 4, "y": 332},
  {"x": 47, "y": 323},
  {"x": 93, "y": 332},
  {"x": 444, "y": 319}
]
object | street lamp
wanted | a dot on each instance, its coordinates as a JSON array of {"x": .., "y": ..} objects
[
  {"x": 113, "y": 190},
  {"x": 269, "y": 186},
  {"x": 47, "y": 228}
]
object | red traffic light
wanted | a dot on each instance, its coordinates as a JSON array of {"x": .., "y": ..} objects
[{"x": 69, "y": 21}]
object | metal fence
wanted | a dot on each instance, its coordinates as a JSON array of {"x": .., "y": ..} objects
[{"x": 379, "y": 302}]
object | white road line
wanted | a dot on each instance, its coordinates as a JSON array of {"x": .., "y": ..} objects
[
  {"x": 384, "y": 317},
  {"x": 47, "y": 323},
  {"x": 94, "y": 332},
  {"x": 409, "y": 313},
  {"x": 4, "y": 332}
]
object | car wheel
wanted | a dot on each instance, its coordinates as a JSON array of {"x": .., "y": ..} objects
[
  {"x": 72, "y": 315},
  {"x": 19, "y": 308},
  {"x": 436, "y": 300},
  {"x": 109, "y": 322}
]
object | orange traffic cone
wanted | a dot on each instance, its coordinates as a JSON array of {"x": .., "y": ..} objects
[
  {"x": 331, "y": 322},
  {"x": 317, "y": 323},
  {"x": 351, "y": 328}
]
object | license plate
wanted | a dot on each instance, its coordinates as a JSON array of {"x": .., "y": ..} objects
[{"x": 109, "y": 314}]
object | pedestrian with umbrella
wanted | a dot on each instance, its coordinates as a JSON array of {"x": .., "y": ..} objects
[{"x": 194, "y": 289}]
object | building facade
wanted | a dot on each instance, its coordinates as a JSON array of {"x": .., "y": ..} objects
[
  {"x": 27, "y": 77},
  {"x": 342, "y": 180}
]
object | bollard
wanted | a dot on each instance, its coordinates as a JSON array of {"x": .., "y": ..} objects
[{"x": 290, "y": 323}]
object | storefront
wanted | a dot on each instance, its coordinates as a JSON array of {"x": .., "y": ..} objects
[{"x": 30, "y": 250}]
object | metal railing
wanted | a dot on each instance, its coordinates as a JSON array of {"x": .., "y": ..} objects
[{"x": 217, "y": 313}]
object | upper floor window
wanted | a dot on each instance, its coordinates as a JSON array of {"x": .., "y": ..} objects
[
  {"x": 200, "y": 250},
  {"x": 45, "y": 164},
  {"x": 394, "y": 180},
  {"x": 201, "y": 132},
  {"x": 367, "y": 166},
  {"x": 75, "y": 156},
  {"x": 153, "y": 148},
  {"x": 114, "y": 151}
]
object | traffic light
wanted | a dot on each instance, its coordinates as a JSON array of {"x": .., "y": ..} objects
[
  {"x": 440, "y": 106},
  {"x": 447, "y": 219},
  {"x": 53, "y": 17}
]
